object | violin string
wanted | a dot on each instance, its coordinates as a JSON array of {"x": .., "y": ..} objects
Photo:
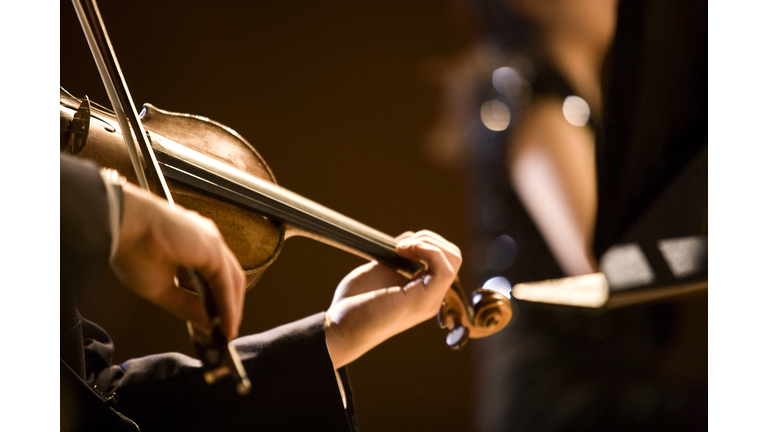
[
  {"x": 356, "y": 229},
  {"x": 97, "y": 105},
  {"x": 306, "y": 214}
]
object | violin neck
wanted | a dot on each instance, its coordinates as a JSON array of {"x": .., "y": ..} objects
[{"x": 313, "y": 220}]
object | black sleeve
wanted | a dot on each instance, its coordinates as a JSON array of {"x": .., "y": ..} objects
[
  {"x": 294, "y": 387},
  {"x": 85, "y": 236}
]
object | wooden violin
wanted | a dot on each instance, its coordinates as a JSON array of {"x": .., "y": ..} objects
[{"x": 211, "y": 169}]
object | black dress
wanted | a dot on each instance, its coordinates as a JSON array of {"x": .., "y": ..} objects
[{"x": 563, "y": 370}]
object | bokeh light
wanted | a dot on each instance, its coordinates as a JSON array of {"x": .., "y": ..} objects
[
  {"x": 499, "y": 284},
  {"x": 576, "y": 110},
  {"x": 495, "y": 115}
]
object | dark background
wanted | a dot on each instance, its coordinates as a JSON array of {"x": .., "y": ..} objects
[{"x": 338, "y": 98}]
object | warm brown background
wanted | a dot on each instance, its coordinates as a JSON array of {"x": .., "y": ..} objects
[{"x": 336, "y": 98}]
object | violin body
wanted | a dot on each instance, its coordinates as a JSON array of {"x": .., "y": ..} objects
[
  {"x": 214, "y": 171},
  {"x": 255, "y": 240}
]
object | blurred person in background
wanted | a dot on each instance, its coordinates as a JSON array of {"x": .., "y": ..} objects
[{"x": 557, "y": 171}]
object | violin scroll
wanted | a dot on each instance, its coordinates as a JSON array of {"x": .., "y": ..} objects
[{"x": 488, "y": 312}]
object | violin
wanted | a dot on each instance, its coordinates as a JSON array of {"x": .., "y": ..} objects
[
  {"x": 212, "y": 166},
  {"x": 214, "y": 171}
]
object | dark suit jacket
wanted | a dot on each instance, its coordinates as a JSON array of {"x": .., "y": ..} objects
[{"x": 294, "y": 385}]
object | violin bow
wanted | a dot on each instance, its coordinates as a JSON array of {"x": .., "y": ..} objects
[{"x": 218, "y": 356}]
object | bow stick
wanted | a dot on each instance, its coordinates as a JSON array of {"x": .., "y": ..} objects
[{"x": 218, "y": 356}]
